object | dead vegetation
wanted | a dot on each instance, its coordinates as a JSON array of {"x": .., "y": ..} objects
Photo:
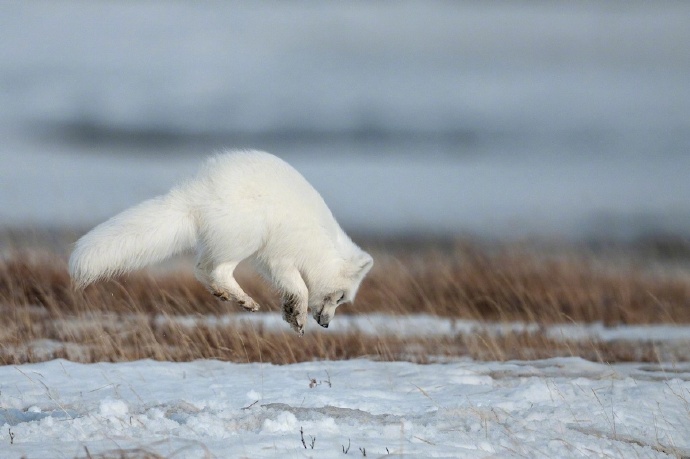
[{"x": 43, "y": 317}]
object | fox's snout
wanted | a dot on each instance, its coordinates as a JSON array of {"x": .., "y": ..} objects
[{"x": 322, "y": 319}]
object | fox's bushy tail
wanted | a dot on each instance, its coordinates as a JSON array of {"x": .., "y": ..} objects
[{"x": 146, "y": 233}]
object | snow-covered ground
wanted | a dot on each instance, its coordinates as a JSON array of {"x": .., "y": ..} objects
[{"x": 564, "y": 407}]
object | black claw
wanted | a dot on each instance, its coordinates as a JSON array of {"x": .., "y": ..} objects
[{"x": 220, "y": 296}]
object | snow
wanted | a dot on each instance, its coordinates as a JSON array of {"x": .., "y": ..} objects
[
  {"x": 564, "y": 407},
  {"x": 428, "y": 325}
]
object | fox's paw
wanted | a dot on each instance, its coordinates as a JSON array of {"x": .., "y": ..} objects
[
  {"x": 298, "y": 326},
  {"x": 293, "y": 315},
  {"x": 249, "y": 305},
  {"x": 296, "y": 321},
  {"x": 246, "y": 302}
]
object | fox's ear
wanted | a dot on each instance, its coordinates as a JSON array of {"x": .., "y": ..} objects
[
  {"x": 357, "y": 266},
  {"x": 363, "y": 265}
]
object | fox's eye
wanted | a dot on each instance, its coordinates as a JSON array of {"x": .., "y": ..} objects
[{"x": 342, "y": 297}]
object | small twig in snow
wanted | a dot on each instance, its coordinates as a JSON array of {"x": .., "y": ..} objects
[
  {"x": 425, "y": 441},
  {"x": 313, "y": 382},
  {"x": 345, "y": 450},
  {"x": 250, "y": 405}
]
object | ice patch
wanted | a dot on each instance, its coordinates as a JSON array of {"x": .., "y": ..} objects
[
  {"x": 472, "y": 380},
  {"x": 284, "y": 422},
  {"x": 537, "y": 392},
  {"x": 328, "y": 425},
  {"x": 209, "y": 425},
  {"x": 113, "y": 408}
]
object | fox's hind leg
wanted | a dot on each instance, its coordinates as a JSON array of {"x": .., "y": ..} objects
[
  {"x": 224, "y": 286},
  {"x": 203, "y": 267},
  {"x": 221, "y": 282}
]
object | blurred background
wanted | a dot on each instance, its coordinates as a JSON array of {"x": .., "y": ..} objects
[{"x": 486, "y": 119}]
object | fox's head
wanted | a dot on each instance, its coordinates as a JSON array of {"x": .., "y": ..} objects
[{"x": 342, "y": 289}]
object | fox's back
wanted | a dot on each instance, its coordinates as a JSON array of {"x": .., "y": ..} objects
[{"x": 258, "y": 184}]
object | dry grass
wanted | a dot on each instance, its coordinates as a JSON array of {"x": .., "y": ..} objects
[
  {"x": 115, "y": 321},
  {"x": 517, "y": 284}
]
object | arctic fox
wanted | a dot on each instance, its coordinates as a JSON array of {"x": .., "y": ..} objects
[{"x": 241, "y": 205}]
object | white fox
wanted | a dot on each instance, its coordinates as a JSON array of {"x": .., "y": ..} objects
[{"x": 242, "y": 205}]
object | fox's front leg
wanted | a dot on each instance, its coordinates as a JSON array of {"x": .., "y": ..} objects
[
  {"x": 295, "y": 311},
  {"x": 294, "y": 295}
]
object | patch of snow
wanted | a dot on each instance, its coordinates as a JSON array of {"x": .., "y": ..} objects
[
  {"x": 428, "y": 325},
  {"x": 563, "y": 407},
  {"x": 113, "y": 408},
  {"x": 580, "y": 332}
]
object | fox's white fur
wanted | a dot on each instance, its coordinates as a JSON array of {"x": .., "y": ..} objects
[{"x": 241, "y": 205}]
